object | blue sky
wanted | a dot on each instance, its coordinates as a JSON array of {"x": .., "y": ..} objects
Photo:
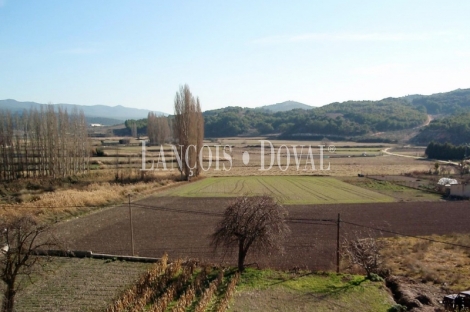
[{"x": 231, "y": 53}]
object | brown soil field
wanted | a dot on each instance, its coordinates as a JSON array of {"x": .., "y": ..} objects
[{"x": 181, "y": 227}]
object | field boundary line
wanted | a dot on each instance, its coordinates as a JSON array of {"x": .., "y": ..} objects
[{"x": 92, "y": 255}]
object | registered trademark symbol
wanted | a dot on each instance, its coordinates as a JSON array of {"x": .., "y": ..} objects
[{"x": 331, "y": 148}]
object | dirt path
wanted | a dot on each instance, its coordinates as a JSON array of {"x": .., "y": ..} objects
[{"x": 386, "y": 151}]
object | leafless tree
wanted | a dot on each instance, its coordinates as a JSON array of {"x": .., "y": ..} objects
[
  {"x": 152, "y": 128},
  {"x": 19, "y": 243},
  {"x": 43, "y": 143},
  {"x": 163, "y": 133},
  {"x": 158, "y": 129},
  {"x": 363, "y": 250},
  {"x": 188, "y": 130},
  {"x": 251, "y": 222},
  {"x": 134, "y": 130}
]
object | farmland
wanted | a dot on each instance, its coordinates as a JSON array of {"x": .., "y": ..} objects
[
  {"x": 179, "y": 218},
  {"x": 70, "y": 284},
  {"x": 181, "y": 226},
  {"x": 289, "y": 190}
]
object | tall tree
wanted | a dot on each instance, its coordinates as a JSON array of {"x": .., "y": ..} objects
[
  {"x": 163, "y": 130},
  {"x": 188, "y": 131},
  {"x": 152, "y": 128},
  {"x": 43, "y": 143}
]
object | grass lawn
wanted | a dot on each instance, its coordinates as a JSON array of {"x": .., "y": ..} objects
[
  {"x": 268, "y": 290},
  {"x": 289, "y": 190}
]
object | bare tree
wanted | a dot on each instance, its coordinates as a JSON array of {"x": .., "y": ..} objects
[
  {"x": 158, "y": 129},
  {"x": 20, "y": 242},
  {"x": 152, "y": 128},
  {"x": 251, "y": 222},
  {"x": 43, "y": 143},
  {"x": 363, "y": 250},
  {"x": 134, "y": 129},
  {"x": 163, "y": 132},
  {"x": 187, "y": 127}
]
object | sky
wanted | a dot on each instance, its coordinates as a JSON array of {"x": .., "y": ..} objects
[{"x": 230, "y": 53}]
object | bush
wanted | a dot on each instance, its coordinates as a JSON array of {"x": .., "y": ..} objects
[
  {"x": 99, "y": 152},
  {"x": 397, "y": 308},
  {"x": 375, "y": 278}
]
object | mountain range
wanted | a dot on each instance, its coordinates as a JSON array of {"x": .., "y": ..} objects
[
  {"x": 103, "y": 114},
  {"x": 442, "y": 117}
]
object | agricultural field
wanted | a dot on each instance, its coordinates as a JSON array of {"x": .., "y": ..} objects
[
  {"x": 71, "y": 284},
  {"x": 401, "y": 188},
  {"x": 179, "y": 218},
  {"x": 339, "y": 158},
  {"x": 289, "y": 190},
  {"x": 181, "y": 226},
  {"x": 179, "y": 286}
]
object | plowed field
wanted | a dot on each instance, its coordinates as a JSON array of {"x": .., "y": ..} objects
[{"x": 181, "y": 226}]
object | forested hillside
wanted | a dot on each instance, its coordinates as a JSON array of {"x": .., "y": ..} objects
[
  {"x": 356, "y": 120},
  {"x": 456, "y": 101},
  {"x": 348, "y": 118},
  {"x": 454, "y": 129}
]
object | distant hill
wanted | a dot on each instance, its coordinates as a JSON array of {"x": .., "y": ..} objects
[
  {"x": 285, "y": 106},
  {"x": 347, "y": 119},
  {"x": 107, "y": 114}
]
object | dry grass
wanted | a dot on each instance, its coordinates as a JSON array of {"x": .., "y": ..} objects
[
  {"x": 431, "y": 262},
  {"x": 63, "y": 203}
]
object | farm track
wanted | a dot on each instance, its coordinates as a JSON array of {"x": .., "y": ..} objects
[{"x": 186, "y": 233}]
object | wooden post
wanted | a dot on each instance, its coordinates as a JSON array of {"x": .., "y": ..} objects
[
  {"x": 337, "y": 243},
  {"x": 132, "y": 228}
]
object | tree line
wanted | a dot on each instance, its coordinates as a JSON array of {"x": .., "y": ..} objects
[
  {"x": 43, "y": 143},
  {"x": 446, "y": 151},
  {"x": 158, "y": 129}
]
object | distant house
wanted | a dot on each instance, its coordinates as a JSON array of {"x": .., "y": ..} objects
[{"x": 96, "y": 125}]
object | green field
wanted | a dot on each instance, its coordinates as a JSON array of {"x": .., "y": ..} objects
[
  {"x": 290, "y": 190},
  {"x": 267, "y": 290}
]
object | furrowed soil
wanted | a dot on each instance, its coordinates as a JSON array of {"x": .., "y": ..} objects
[
  {"x": 288, "y": 190},
  {"x": 181, "y": 226},
  {"x": 70, "y": 284}
]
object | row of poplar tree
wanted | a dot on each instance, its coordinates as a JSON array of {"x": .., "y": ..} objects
[{"x": 49, "y": 142}]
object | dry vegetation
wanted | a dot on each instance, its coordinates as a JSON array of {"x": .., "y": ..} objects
[
  {"x": 178, "y": 287},
  {"x": 53, "y": 200},
  {"x": 346, "y": 160},
  {"x": 431, "y": 262}
]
